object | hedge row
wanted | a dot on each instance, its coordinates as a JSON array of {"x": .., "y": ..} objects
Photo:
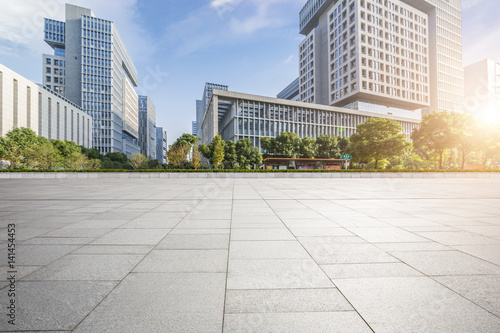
[{"x": 243, "y": 171}]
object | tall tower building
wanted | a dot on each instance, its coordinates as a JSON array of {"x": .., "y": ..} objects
[
  {"x": 161, "y": 145},
  {"x": 147, "y": 127},
  {"x": 92, "y": 68},
  {"x": 392, "y": 57}
]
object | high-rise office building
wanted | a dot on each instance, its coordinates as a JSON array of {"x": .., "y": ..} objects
[
  {"x": 95, "y": 71},
  {"x": 482, "y": 90},
  {"x": 147, "y": 127},
  {"x": 161, "y": 145},
  {"x": 390, "y": 57},
  {"x": 26, "y": 104}
]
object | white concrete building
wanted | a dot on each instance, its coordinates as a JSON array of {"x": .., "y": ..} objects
[
  {"x": 482, "y": 90},
  {"x": 237, "y": 116},
  {"x": 391, "y": 57},
  {"x": 26, "y": 104}
]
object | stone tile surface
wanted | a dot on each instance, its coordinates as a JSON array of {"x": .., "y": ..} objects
[{"x": 253, "y": 255}]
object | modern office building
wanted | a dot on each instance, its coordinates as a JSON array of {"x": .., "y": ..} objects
[
  {"x": 391, "y": 57},
  {"x": 236, "y": 116},
  {"x": 92, "y": 68},
  {"x": 147, "y": 127},
  {"x": 482, "y": 90},
  {"x": 291, "y": 92},
  {"x": 26, "y": 104},
  {"x": 201, "y": 105},
  {"x": 161, "y": 145}
]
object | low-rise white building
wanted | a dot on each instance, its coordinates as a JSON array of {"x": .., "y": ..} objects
[{"x": 23, "y": 103}]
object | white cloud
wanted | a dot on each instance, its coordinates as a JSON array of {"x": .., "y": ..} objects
[
  {"x": 220, "y": 3},
  {"x": 21, "y": 23},
  {"x": 289, "y": 59}
]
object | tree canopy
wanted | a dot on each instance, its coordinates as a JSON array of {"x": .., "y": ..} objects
[{"x": 378, "y": 138}]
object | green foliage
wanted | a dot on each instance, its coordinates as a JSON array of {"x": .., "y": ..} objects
[
  {"x": 285, "y": 145},
  {"x": 308, "y": 148},
  {"x": 328, "y": 146},
  {"x": 247, "y": 155},
  {"x": 138, "y": 161},
  {"x": 91, "y": 153},
  {"x": 343, "y": 144},
  {"x": 378, "y": 139},
  {"x": 437, "y": 133},
  {"x": 218, "y": 151},
  {"x": 230, "y": 156},
  {"x": 66, "y": 148},
  {"x": 43, "y": 156},
  {"x": 15, "y": 146},
  {"x": 117, "y": 157}
]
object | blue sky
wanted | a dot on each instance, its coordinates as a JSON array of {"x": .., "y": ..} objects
[{"x": 178, "y": 45}]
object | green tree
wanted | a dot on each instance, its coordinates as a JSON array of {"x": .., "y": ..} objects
[
  {"x": 379, "y": 139},
  {"x": 154, "y": 164},
  {"x": 66, "y": 148},
  {"x": 308, "y": 148},
  {"x": 177, "y": 155},
  {"x": 44, "y": 156},
  {"x": 246, "y": 154},
  {"x": 436, "y": 134},
  {"x": 91, "y": 153},
  {"x": 284, "y": 145},
  {"x": 327, "y": 146},
  {"x": 117, "y": 157},
  {"x": 16, "y": 144},
  {"x": 488, "y": 139},
  {"x": 138, "y": 161},
  {"x": 218, "y": 152},
  {"x": 343, "y": 144},
  {"x": 230, "y": 157},
  {"x": 76, "y": 161},
  {"x": 196, "y": 160}
]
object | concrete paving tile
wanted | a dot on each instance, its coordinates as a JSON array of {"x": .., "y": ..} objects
[
  {"x": 267, "y": 250},
  {"x": 285, "y": 300},
  {"x": 488, "y": 231},
  {"x": 98, "y": 224},
  {"x": 386, "y": 235},
  {"x": 276, "y": 274},
  {"x": 327, "y": 322},
  {"x": 356, "y": 271},
  {"x": 179, "y": 231},
  {"x": 324, "y": 252},
  {"x": 430, "y": 229},
  {"x": 162, "y": 215},
  {"x": 250, "y": 218},
  {"x": 409, "y": 222},
  {"x": 194, "y": 242},
  {"x": 23, "y": 234},
  {"x": 77, "y": 232},
  {"x": 57, "y": 241},
  {"x": 161, "y": 302},
  {"x": 414, "y": 304},
  {"x": 85, "y": 267},
  {"x": 114, "y": 249},
  {"x": 54, "y": 305},
  {"x": 489, "y": 253},
  {"x": 152, "y": 223},
  {"x": 319, "y": 232},
  {"x": 482, "y": 290},
  {"x": 209, "y": 215},
  {"x": 411, "y": 247},
  {"x": 204, "y": 224},
  {"x": 458, "y": 238},
  {"x": 184, "y": 261},
  {"x": 447, "y": 263},
  {"x": 261, "y": 234},
  {"x": 133, "y": 237},
  {"x": 39, "y": 255}
]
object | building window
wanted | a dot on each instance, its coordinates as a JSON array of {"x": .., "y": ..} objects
[
  {"x": 47, "y": 70},
  {"x": 48, "y": 79},
  {"x": 49, "y": 61}
]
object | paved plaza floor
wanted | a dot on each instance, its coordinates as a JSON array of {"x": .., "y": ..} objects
[{"x": 251, "y": 255}]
